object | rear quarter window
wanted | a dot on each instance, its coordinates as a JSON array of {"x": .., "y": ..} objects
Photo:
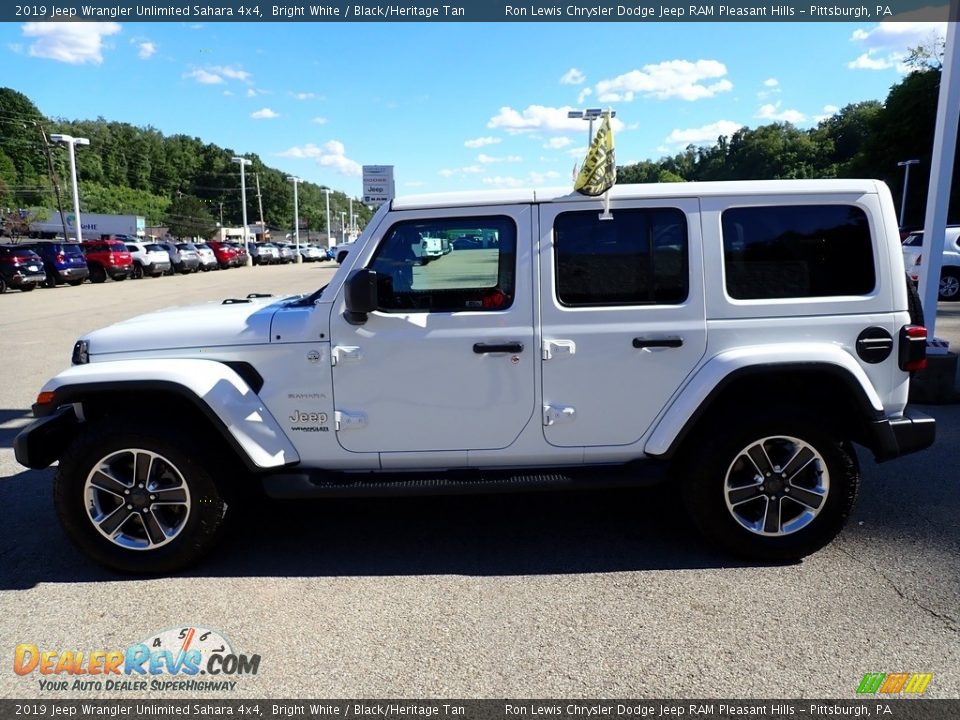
[{"x": 797, "y": 251}]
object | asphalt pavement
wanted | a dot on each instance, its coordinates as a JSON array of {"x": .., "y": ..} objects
[{"x": 588, "y": 594}]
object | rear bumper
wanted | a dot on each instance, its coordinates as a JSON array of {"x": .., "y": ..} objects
[
  {"x": 19, "y": 279},
  {"x": 77, "y": 273},
  {"x": 118, "y": 272},
  {"x": 902, "y": 436}
]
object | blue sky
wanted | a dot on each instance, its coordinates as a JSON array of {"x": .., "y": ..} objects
[{"x": 451, "y": 106}]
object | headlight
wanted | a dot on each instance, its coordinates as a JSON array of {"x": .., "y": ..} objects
[{"x": 81, "y": 353}]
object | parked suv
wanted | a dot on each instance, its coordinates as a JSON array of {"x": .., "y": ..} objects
[
  {"x": 183, "y": 256},
  {"x": 149, "y": 259},
  {"x": 225, "y": 253},
  {"x": 208, "y": 259},
  {"x": 735, "y": 338},
  {"x": 107, "y": 258},
  {"x": 62, "y": 261},
  {"x": 950, "y": 270},
  {"x": 20, "y": 267}
]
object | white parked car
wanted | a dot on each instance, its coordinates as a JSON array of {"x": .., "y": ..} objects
[
  {"x": 149, "y": 259},
  {"x": 312, "y": 253},
  {"x": 208, "y": 260},
  {"x": 950, "y": 270},
  {"x": 734, "y": 338}
]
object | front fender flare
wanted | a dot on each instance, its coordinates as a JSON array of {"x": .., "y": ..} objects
[{"x": 215, "y": 389}]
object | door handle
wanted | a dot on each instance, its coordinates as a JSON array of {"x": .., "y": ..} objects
[
  {"x": 510, "y": 347},
  {"x": 671, "y": 342}
]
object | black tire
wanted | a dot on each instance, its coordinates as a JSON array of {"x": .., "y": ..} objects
[
  {"x": 949, "y": 289},
  {"x": 914, "y": 304},
  {"x": 137, "y": 273},
  {"x": 51, "y": 281},
  {"x": 27, "y": 288},
  {"x": 75, "y": 283},
  {"x": 720, "y": 452},
  {"x": 197, "y": 523},
  {"x": 97, "y": 274},
  {"x": 3, "y": 286}
]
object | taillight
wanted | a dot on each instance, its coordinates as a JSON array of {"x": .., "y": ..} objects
[{"x": 913, "y": 348}]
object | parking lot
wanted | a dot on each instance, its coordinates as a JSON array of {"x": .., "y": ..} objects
[{"x": 593, "y": 594}]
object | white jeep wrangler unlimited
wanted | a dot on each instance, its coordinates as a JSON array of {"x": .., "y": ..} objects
[{"x": 733, "y": 338}]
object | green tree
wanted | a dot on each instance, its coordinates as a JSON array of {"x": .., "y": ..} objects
[{"x": 188, "y": 216}]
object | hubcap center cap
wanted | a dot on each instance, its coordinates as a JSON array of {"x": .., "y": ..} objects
[
  {"x": 775, "y": 485},
  {"x": 139, "y": 499}
]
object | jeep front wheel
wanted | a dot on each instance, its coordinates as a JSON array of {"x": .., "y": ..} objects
[
  {"x": 772, "y": 491},
  {"x": 137, "y": 502}
]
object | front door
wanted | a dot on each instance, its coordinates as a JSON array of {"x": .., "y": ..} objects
[
  {"x": 622, "y": 313},
  {"x": 446, "y": 362}
]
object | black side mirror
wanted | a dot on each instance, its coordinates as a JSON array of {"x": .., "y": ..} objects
[{"x": 360, "y": 295}]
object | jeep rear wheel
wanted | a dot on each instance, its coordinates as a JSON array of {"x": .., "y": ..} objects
[
  {"x": 775, "y": 490},
  {"x": 137, "y": 502}
]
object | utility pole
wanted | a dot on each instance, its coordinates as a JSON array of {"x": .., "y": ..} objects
[
  {"x": 221, "y": 212},
  {"x": 326, "y": 191},
  {"x": 54, "y": 178},
  {"x": 263, "y": 228}
]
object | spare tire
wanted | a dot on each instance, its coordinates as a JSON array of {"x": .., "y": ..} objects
[{"x": 914, "y": 304}]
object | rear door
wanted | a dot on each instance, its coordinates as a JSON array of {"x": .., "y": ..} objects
[{"x": 622, "y": 313}]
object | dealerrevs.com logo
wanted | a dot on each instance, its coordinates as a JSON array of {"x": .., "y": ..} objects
[{"x": 186, "y": 658}]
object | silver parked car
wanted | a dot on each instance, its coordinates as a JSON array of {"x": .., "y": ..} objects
[{"x": 208, "y": 260}]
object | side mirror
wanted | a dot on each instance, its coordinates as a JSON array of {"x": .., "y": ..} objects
[{"x": 360, "y": 295}]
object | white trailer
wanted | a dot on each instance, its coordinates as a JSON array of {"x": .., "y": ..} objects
[{"x": 93, "y": 226}]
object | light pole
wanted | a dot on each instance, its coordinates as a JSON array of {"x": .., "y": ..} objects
[
  {"x": 296, "y": 216},
  {"x": 243, "y": 162},
  {"x": 326, "y": 191},
  {"x": 70, "y": 142},
  {"x": 351, "y": 216},
  {"x": 343, "y": 227},
  {"x": 590, "y": 114},
  {"x": 906, "y": 181}
]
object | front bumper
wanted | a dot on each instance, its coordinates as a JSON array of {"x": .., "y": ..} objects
[
  {"x": 902, "y": 436},
  {"x": 40, "y": 443}
]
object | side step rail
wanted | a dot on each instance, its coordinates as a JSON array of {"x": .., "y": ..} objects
[{"x": 320, "y": 484}]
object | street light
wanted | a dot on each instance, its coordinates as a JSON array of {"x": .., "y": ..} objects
[
  {"x": 243, "y": 162},
  {"x": 906, "y": 180},
  {"x": 343, "y": 227},
  {"x": 326, "y": 192},
  {"x": 70, "y": 142},
  {"x": 296, "y": 215},
  {"x": 590, "y": 114},
  {"x": 352, "y": 223}
]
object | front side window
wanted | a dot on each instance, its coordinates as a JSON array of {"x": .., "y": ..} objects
[
  {"x": 422, "y": 265},
  {"x": 795, "y": 251},
  {"x": 637, "y": 258}
]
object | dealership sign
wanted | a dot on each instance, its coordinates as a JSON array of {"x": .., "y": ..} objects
[{"x": 378, "y": 185}]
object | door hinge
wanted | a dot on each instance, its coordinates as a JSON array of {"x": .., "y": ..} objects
[
  {"x": 554, "y": 414},
  {"x": 349, "y": 421},
  {"x": 344, "y": 354},
  {"x": 558, "y": 348}
]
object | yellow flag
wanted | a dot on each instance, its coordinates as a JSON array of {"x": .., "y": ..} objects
[{"x": 599, "y": 171}]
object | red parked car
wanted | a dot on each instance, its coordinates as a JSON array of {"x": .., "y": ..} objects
[
  {"x": 225, "y": 253},
  {"x": 107, "y": 258}
]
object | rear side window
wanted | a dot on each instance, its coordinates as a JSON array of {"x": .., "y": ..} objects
[
  {"x": 638, "y": 257},
  {"x": 419, "y": 268},
  {"x": 795, "y": 251}
]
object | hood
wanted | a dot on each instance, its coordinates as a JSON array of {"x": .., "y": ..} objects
[{"x": 209, "y": 325}]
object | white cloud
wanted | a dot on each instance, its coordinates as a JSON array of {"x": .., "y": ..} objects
[
  {"x": 771, "y": 82},
  {"x": 304, "y": 95},
  {"x": 706, "y": 133},
  {"x": 583, "y": 95},
  {"x": 556, "y": 143},
  {"x": 15, "y": 48},
  {"x": 331, "y": 154},
  {"x": 414, "y": 183},
  {"x": 772, "y": 111},
  {"x": 532, "y": 179},
  {"x": 573, "y": 77},
  {"x": 264, "y": 113},
  {"x": 70, "y": 42},
  {"x": 870, "y": 61},
  {"x": 540, "y": 119},
  {"x": 146, "y": 49},
  {"x": 487, "y": 159},
  {"x": 888, "y": 44},
  {"x": 231, "y": 72},
  {"x": 828, "y": 112},
  {"x": 227, "y": 93},
  {"x": 452, "y": 172},
  {"x": 204, "y": 77},
  {"x": 672, "y": 79},
  {"x": 319, "y": 120},
  {"x": 481, "y": 141}
]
